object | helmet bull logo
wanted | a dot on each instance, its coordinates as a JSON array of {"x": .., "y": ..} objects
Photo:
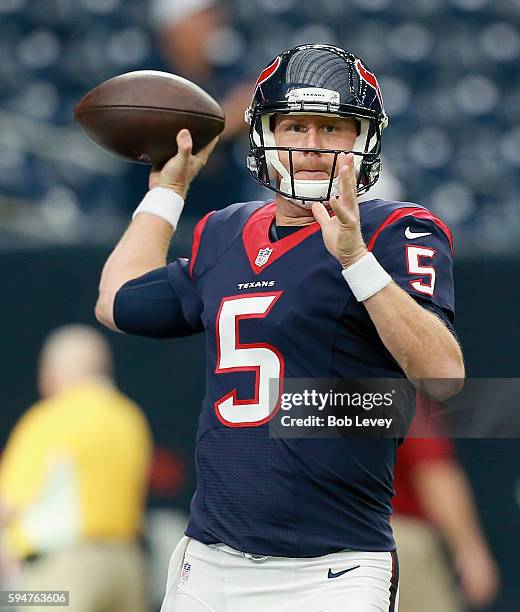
[
  {"x": 370, "y": 79},
  {"x": 267, "y": 73}
]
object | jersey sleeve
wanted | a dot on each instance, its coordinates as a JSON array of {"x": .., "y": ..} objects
[
  {"x": 163, "y": 303},
  {"x": 417, "y": 252}
]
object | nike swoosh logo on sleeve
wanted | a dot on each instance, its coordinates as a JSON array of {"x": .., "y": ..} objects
[{"x": 412, "y": 235}]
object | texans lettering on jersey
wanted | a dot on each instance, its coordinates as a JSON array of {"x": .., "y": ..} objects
[{"x": 272, "y": 310}]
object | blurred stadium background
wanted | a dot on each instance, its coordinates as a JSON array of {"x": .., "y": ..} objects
[{"x": 451, "y": 83}]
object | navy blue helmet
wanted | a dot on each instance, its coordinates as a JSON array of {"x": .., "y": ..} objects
[{"x": 315, "y": 79}]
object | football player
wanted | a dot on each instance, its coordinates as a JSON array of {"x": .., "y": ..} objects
[{"x": 311, "y": 284}]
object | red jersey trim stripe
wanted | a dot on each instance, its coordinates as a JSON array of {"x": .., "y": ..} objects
[
  {"x": 418, "y": 213},
  {"x": 394, "y": 581},
  {"x": 197, "y": 235}
]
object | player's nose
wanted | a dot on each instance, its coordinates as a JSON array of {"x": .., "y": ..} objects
[{"x": 313, "y": 140}]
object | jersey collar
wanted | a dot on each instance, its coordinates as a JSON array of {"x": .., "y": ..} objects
[{"x": 260, "y": 251}]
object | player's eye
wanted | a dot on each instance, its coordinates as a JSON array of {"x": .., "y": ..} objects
[
  {"x": 330, "y": 129},
  {"x": 296, "y": 127}
]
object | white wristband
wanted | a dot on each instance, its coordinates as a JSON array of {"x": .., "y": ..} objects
[
  {"x": 366, "y": 277},
  {"x": 162, "y": 202}
]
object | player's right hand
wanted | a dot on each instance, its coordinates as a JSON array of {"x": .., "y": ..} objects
[{"x": 179, "y": 171}]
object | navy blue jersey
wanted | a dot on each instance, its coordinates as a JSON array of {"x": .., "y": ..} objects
[{"x": 272, "y": 310}]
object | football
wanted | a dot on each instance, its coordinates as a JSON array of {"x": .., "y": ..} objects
[{"x": 138, "y": 115}]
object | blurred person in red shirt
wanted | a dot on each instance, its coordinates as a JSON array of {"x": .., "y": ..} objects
[{"x": 437, "y": 529}]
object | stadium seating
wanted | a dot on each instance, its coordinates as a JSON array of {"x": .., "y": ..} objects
[{"x": 447, "y": 69}]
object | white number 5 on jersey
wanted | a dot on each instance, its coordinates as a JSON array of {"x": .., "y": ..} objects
[
  {"x": 414, "y": 257},
  {"x": 263, "y": 359}
]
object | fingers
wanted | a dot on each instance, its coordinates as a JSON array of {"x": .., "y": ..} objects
[
  {"x": 184, "y": 143},
  {"x": 345, "y": 205},
  {"x": 338, "y": 210},
  {"x": 320, "y": 213},
  {"x": 346, "y": 172},
  {"x": 185, "y": 146},
  {"x": 205, "y": 152}
]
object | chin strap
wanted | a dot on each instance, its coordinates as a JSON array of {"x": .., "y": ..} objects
[{"x": 308, "y": 189}]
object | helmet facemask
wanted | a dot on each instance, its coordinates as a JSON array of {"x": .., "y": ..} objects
[{"x": 267, "y": 168}]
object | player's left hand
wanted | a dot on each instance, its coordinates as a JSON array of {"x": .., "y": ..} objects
[{"x": 342, "y": 232}]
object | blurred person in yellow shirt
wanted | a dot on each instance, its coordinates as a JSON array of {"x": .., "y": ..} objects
[{"x": 73, "y": 480}]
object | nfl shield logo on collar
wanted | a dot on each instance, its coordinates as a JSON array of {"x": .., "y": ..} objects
[{"x": 263, "y": 256}]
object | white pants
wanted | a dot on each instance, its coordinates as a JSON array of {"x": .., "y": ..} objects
[{"x": 218, "y": 578}]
